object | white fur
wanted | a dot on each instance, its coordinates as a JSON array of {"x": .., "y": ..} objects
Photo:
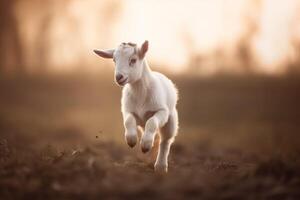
[{"x": 148, "y": 100}]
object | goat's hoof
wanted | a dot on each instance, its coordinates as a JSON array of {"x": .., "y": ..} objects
[
  {"x": 161, "y": 168},
  {"x": 131, "y": 140},
  {"x": 146, "y": 145},
  {"x": 145, "y": 149},
  {"x": 131, "y": 145}
]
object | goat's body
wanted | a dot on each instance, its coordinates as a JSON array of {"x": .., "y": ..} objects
[
  {"x": 146, "y": 98},
  {"x": 154, "y": 92}
]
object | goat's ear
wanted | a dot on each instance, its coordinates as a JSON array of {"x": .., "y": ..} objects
[
  {"x": 105, "y": 54},
  {"x": 143, "y": 50}
]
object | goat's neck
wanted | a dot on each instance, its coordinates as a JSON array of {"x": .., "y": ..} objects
[{"x": 144, "y": 82}]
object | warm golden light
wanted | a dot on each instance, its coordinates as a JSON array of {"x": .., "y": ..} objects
[{"x": 63, "y": 35}]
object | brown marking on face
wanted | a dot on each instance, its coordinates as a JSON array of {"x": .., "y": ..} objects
[{"x": 131, "y": 44}]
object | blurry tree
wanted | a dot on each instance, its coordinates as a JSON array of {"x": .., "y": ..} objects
[
  {"x": 11, "y": 49},
  {"x": 42, "y": 41},
  {"x": 194, "y": 57},
  {"x": 208, "y": 62},
  {"x": 53, "y": 10},
  {"x": 293, "y": 63},
  {"x": 244, "y": 45}
]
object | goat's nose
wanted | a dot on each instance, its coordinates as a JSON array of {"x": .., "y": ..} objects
[{"x": 119, "y": 77}]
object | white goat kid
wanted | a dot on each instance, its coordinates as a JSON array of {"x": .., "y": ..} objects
[{"x": 148, "y": 100}]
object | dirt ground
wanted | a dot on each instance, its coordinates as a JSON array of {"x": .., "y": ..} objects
[{"x": 62, "y": 138}]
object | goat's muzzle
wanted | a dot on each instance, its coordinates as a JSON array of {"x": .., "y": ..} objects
[{"x": 121, "y": 80}]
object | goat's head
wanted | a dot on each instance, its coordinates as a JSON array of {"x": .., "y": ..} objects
[{"x": 128, "y": 59}]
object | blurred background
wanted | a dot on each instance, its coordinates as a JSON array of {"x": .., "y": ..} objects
[
  {"x": 236, "y": 64},
  {"x": 208, "y": 37}
]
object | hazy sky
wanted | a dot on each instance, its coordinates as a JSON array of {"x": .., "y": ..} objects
[
  {"x": 174, "y": 28},
  {"x": 169, "y": 24},
  {"x": 209, "y": 24}
]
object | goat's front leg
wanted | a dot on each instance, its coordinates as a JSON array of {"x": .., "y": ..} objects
[
  {"x": 156, "y": 121},
  {"x": 130, "y": 129}
]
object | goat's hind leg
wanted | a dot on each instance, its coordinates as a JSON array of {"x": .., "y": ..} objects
[{"x": 167, "y": 136}]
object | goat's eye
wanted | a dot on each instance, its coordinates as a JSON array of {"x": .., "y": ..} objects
[{"x": 132, "y": 61}]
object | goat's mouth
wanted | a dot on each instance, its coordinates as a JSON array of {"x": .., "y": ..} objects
[{"x": 122, "y": 82}]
